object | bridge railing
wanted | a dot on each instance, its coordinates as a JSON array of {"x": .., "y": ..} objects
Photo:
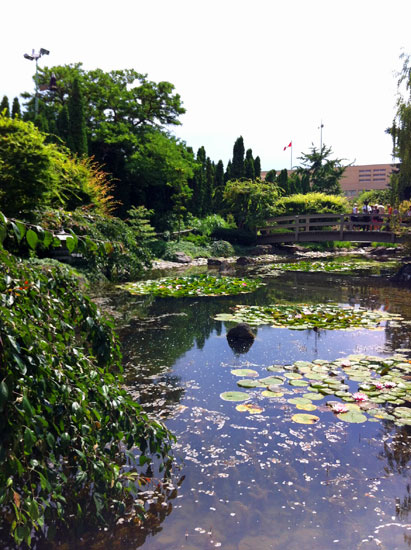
[{"x": 336, "y": 223}]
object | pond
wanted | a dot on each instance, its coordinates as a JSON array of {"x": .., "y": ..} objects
[{"x": 257, "y": 480}]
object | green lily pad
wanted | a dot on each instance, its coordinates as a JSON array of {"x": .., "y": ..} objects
[
  {"x": 302, "y": 418},
  {"x": 271, "y": 381},
  {"x": 250, "y": 408},
  {"x": 268, "y": 393},
  {"x": 248, "y": 383},
  {"x": 306, "y": 406},
  {"x": 352, "y": 417},
  {"x": 234, "y": 396},
  {"x": 299, "y": 383},
  {"x": 299, "y": 401},
  {"x": 244, "y": 372},
  {"x": 313, "y": 396},
  {"x": 293, "y": 375}
]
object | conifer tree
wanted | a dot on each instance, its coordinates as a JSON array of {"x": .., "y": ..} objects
[
  {"x": 15, "y": 109},
  {"x": 219, "y": 185},
  {"x": 228, "y": 172},
  {"x": 271, "y": 176},
  {"x": 4, "y": 106},
  {"x": 209, "y": 187},
  {"x": 257, "y": 167},
  {"x": 63, "y": 128},
  {"x": 237, "y": 169},
  {"x": 77, "y": 122},
  {"x": 283, "y": 183},
  {"x": 249, "y": 171}
]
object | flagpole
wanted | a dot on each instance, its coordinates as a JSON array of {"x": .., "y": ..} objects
[{"x": 291, "y": 167}]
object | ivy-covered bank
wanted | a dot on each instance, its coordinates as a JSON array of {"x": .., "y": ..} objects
[{"x": 67, "y": 428}]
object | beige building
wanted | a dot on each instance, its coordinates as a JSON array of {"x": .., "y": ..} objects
[{"x": 366, "y": 177}]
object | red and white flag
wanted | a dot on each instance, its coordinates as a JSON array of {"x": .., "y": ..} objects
[{"x": 289, "y": 145}]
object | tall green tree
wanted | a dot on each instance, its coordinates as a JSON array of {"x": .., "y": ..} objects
[
  {"x": 77, "y": 121},
  {"x": 257, "y": 167},
  {"x": 322, "y": 173},
  {"x": 271, "y": 176},
  {"x": 16, "y": 109},
  {"x": 63, "y": 128},
  {"x": 237, "y": 167},
  {"x": 4, "y": 106},
  {"x": 219, "y": 185},
  {"x": 249, "y": 170},
  {"x": 228, "y": 173},
  {"x": 401, "y": 133}
]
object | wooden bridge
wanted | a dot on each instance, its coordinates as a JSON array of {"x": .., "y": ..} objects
[{"x": 334, "y": 227}]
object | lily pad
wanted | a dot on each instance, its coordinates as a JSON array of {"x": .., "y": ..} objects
[
  {"x": 244, "y": 372},
  {"x": 299, "y": 383},
  {"x": 268, "y": 393},
  {"x": 303, "y": 418},
  {"x": 313, "y": 396},
  {"x": 272, "y": 381},
  {"x": 248, "y": 383},
  {"x": 352, "y": 417},
  {"x": 234, "y": 396},
  {"x": 250, "y": 408},
  {"x": 306, "y": 406}
]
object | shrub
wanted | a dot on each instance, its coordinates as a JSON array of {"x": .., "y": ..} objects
[
  {"x": 222, "y": 248},
  {"x": 66, "y": 426},
  {"x": 188, "y": 248},
  {"x": 311, "y": 203}
]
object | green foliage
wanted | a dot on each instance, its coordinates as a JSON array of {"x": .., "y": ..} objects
[
  {"x": 376, "y": 196},
  {"x": 4, "y": 106},
  {"x": 15, "y": 110},
  {"x": 235, "y": 236},
  {"x": 206, "y": 226},
  {"x": 118, "y": 249},
  {"x": 168, "y": 250},
  {"x": 319, "y": 173},
  {"x": 222, "y": 249},
  {"x": 311, "y": 203},
  {"x": 66, "y": 426},
  {"x": 401, "y": 133},
  {"x": 249, "y": 169},
  {"x": 35, "y": 174},
  {"x": 237, "y": 166},
  {"x": 257, "y": 168},
  {"x": 77, "y": 123},
  {"x": 250, "y": 202}
]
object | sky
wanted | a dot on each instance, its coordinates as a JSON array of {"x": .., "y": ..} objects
[{"x": 271, "y": 71}]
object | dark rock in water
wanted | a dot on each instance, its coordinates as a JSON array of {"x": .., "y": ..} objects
[
  {"x": 214, "y": 261},
  {"x": 241, "y": 332},
  {"x": 403, "y": 276},
  {"x": 182, "y": 258},
  {"x": 383, "y": 251},
  {"x": 240, "y": 338},
  {"x": 245, "y": 260}
]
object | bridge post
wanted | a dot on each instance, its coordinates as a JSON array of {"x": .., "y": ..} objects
[
  {"x": 342, "y": 227},
  {"x": 297, "y": 223}
]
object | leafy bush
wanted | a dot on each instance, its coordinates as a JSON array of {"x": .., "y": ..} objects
[
  {"x": 311, "y": 203},
  {"x": 207, "y": 225},
  {"x": 66, "y": 426},
  {"x": 188, "y": 248},
  {"x": 222, "y": 248},
  {"x": 34, "y": 174},
  {"x": 125, "y": 243}
]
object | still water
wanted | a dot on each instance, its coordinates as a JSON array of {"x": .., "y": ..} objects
[{"x": 260, "y": 481}]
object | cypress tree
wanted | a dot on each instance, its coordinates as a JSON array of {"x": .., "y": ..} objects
[
  {"x": 15, "y": 109},
  {"x": 63, "y": 128},
  {"x": 237, "y": 169},
  {"x": 283, "y": 182},
  {"x": 4, "y": 105},
  {"x": 249, "y": 170},
  {"x": 271, "y": 176},
  {"x": 228, "y": 172},
  {"x": 219, "y": 185},
  {"x": 77, "y": 121},
  {"x": 209, "y": 187},
  {"x": 257, "y": 167}
]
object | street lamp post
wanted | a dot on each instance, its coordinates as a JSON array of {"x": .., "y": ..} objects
[{"x": 36, "y": 56}]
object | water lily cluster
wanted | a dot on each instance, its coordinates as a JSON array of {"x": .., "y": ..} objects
[
  {"x": 193, "y": 286},
  {"x": 330, "y": 266},
  {"x": 306, "y": 316},
  {"x": 368, "y": 388}
]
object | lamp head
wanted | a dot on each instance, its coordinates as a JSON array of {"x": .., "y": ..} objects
[
  {"x": 27, "y": 56},
  {"x": 44, "y": 52}
]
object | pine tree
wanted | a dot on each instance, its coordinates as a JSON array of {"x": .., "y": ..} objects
[
  {"x": 209, "y": 187},
  {"x": 237, "y": 169},
  {"x": 77, "y": 121},
  {"x": 257, "y": 167},
  {"x": 15, "y": 109},
  {"x": 4, "y": 106},
  {"x": 249, "y": 170},
  {"x": 283, "y": 183}
]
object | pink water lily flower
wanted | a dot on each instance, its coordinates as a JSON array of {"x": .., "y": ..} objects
[
  {"x": 389, "y": 384},
  {"x": 339, "y": 408},
  {"x": 358, "y": 396},
  {"x": 346, "y": 363},
  {"x": 379, "y": 385}
]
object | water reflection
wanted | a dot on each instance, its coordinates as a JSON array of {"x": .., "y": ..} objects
[{"x": 260, "y": 481}]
